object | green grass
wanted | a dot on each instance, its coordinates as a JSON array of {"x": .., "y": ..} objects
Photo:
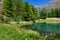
[
  {"x": 14, "y": 32},
  {"x": 48, "y": 21}
]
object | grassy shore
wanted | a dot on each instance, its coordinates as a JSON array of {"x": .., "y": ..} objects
[
  {"x": 49, "y": 20},
  {"x": 12, "y": 32},
  {"x": 15, "y": 32}
]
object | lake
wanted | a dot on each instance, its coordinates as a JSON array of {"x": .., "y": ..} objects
[{"x": 45, "y": 27}]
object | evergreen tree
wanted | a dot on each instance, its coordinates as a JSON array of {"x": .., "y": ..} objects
[
  {"x": 52, "y": 13},
  {"x": 18, "y": 7},
  {"x": 8, "y": 8},
  {"x": 43, "y": 14},
  {"x": 35, "y": 14},
  {"x": 59, "y": 12},
  {"x": 56, "y": 11},
  {"x": 28, "y": 12},
  {"x": 18, "y": 10}
]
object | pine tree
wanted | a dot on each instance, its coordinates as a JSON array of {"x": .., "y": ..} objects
[
  {"x": 35, "y": 14},
  {"x": 8, "y": 8},
  {"x": 56, "y": 11},
  {"x": 18, "y": 7},
  {"x": 18, "y": 10},
  {"x": 43, "y": 14},
  {"x": 28, "y": 12},
  {"x": 59, "y": 12},
  {"x": 52, "y": 13}
]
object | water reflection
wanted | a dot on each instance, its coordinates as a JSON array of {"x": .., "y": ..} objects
[{"x": 45, "y": 27}]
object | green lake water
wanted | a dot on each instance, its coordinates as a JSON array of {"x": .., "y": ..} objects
[{"x": 45, "y": 27}]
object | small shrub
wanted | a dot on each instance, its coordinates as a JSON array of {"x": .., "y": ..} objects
[
  {"x": 1, "y": 18},
  {"x": 7, "y": 20}
]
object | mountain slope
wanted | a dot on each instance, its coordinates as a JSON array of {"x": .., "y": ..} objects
[{"x": 52, "y": 4}]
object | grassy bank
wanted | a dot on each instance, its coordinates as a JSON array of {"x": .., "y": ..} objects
[
  {"x": 12, "y": 32},
  {"x": 49, "y": 20},
  {"x": 15, "y": 32}
]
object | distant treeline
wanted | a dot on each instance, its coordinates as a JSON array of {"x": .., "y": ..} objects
[{"x": 54, "y": 13}]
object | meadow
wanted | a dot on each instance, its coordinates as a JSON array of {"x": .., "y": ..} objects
[{"x": 16, "y": 32}]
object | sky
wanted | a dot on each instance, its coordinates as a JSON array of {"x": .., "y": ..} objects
[{"x": 38, "y": 2}]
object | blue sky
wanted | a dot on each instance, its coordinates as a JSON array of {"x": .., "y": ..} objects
[{"x": 39, "y": 2}]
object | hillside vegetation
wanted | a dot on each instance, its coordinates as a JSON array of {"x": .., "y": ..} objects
[
  {"x": 15, "y": 15},
  {"x": 13, "y": 32}
]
